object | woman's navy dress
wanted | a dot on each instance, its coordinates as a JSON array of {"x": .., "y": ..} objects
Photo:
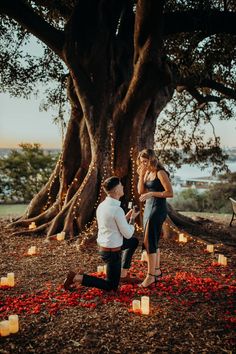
[{"x": 155, "y": 213}]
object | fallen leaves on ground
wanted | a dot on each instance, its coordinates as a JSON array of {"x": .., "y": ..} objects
[{"x": 192, "y": 307}]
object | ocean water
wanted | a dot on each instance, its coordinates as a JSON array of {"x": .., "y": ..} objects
[{"x": 187, "y": 171}]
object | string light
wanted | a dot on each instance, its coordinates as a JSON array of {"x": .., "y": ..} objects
[
  {"x": 132, "y": 174},
  {"x": 49, "y": 198},
  {"x": 80, "y": 190},
  {"x": 112, "y": 153},
  {"x": 190, "y": 237}
]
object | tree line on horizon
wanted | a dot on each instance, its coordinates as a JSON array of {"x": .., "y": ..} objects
[{"x": 24, "y": 171}]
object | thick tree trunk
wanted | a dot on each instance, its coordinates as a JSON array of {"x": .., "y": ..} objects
[{"x": 119, "y": 82}]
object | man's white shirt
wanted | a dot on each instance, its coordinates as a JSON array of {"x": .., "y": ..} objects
[{"x": 112, "y": 224}]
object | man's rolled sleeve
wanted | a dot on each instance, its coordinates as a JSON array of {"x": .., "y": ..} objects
[{"x": 124, "y": 227}]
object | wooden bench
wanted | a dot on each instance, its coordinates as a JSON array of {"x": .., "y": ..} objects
[{"x": 234, "y": 210}]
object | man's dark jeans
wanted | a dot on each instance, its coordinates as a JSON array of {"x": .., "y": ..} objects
[{"x": 114, "y": 262}]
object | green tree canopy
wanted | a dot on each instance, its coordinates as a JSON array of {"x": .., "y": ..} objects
[
  {"x": 118, "y": 64},
  {"x": 23, "y": 172}
]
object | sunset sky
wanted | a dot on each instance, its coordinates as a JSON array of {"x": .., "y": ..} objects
[{"x": 21, "y": 121}]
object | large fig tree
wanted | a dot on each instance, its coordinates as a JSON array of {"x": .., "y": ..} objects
[{"x": 118, "y": 64}]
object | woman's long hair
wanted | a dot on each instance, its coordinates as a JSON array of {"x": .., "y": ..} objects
[{"x": 153, "y": 161}]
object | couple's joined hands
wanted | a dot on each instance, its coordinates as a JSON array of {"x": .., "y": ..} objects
[{"x": 132, "y": 214}]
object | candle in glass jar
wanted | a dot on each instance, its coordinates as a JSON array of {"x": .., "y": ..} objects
[
  {"x": 145, "y": 305},
  {"x": 13, "y": 323},
  {"x": 136, "y": 305},
  {"x": 11, "y": 279},
  {"x": 4, "y": 328},
  {"x": 210, "y": 248}
]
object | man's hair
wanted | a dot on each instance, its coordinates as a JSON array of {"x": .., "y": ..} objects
[{"x": 110, "y": 183}]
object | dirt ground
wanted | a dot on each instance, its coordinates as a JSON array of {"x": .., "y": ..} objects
[{"x": 192, "y": 308}]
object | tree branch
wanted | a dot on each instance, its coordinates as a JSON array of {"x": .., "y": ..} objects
[
  {"x": 24, "y": 15},
  {"x": 200, "y": 98},
  {"x": 227, "y": 91},
  {"x": 200, "y": 81},
  {"x": 210, "y": 22},
  {"x": 149, "y": 68}
]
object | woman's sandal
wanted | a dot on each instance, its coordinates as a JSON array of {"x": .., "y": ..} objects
[
  {"x": 158, "y": 275},
  {"x": 153, "y": 282}
]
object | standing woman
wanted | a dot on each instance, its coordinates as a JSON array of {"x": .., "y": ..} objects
[{"x": 154, "y": 187}]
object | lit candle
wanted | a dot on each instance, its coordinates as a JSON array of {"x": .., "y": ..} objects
[
  {"x": 11, "y": 279},
  {"x": 4, "y": 281},
  {"x": 130, "y": 205},
  {"x": 100, "y": 269},
  {"x": 32, "y": 250},
  {"x": 220, "y": 258},
  {"x": 210, "y": 248},
  {"x": 136, "y": 305},
  {"x": 13, "y": 323},
  {"x": 105, "y": 269},
  {"x": 144, "y": 256},
  {"x": 182, "y": 238},
  {"x": 32, "y": 225},
  {"x": 4, "y": 328},
  {"x": 145, "y": 305},
  {"x": 224, "y": 261},
  {"x": 61, "y": 236}
]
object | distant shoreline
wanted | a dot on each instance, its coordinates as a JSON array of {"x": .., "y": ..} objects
[{"x": 6, "y": 151}]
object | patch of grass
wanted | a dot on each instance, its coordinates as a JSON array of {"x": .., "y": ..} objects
[
  {"x": 12, "y": 210},
  {"x": 204, "y": 214}
]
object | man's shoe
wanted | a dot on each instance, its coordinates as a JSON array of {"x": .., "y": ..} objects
[{"x": 69, "y": 280}]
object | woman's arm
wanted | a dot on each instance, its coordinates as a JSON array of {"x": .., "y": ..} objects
[{"x": 142, "y": 178}]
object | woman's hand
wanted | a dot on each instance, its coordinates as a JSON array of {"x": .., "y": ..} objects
[
  {"x": 145, "y": 196},
  {"x": 141, "y": 170}
]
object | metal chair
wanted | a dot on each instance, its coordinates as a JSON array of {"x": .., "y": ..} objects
[{"x": 234, "y": 210}]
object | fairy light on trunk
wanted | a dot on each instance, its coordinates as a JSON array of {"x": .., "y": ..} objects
[
  {"x": 104, "y": 176},
  {"x": 56, "y": 175},
  {"x": 83, "y": 184},
  {"x": 132, "y": 173},
  {"x": 112, "y": 153}
]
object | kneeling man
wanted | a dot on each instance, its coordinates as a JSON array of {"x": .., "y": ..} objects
[{"x": 115, "y": 234}]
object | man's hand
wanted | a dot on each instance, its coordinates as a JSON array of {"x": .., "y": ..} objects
[
  {"x": 134, "y": 214},
  {"x": 128, "y": 215}
]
